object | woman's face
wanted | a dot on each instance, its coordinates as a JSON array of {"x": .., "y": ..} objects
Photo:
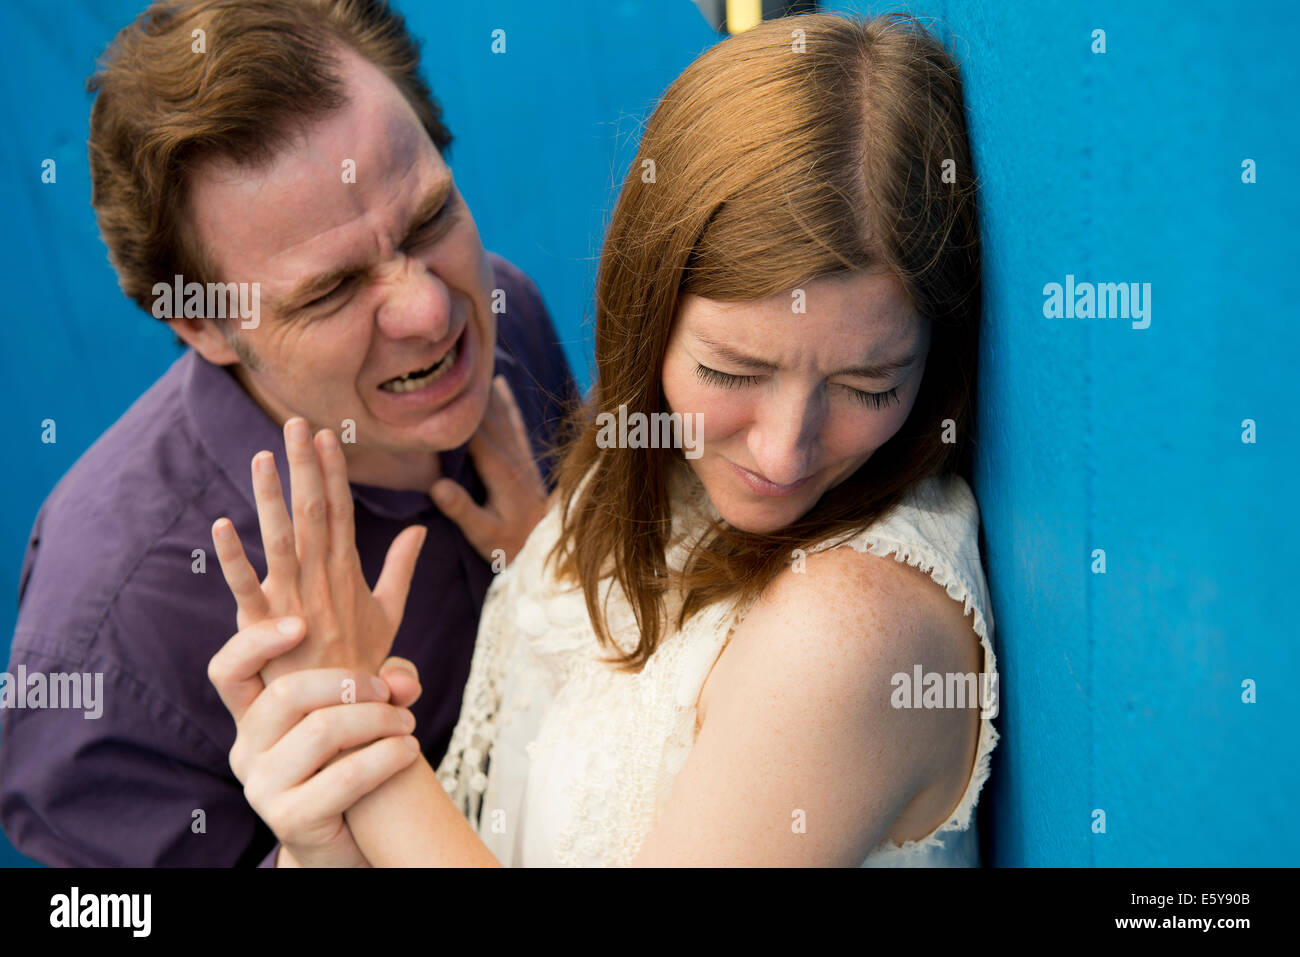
[{"x": 794, "y": 392}]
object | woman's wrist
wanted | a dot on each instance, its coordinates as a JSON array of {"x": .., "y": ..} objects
[{"x": 285, "y": 859}]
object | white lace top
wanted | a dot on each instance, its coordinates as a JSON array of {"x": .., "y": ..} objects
[{"x": 560, "y": 759}]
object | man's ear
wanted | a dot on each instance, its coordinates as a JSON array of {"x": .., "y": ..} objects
[{"x": 206, "y": 339}]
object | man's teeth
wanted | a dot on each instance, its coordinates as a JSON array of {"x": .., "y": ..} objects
[{"x": 408, "y": 384}]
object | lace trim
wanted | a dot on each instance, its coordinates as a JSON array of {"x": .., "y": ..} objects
[
  {"x": 630, "y": 766},
  {"x": 959, "y": 589},
  {"x": 461, "y": 770}
]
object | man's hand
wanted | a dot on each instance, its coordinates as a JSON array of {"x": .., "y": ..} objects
[
  {"x": 313, "y": 569},
  {"x": 313, "y": 743},
  {"x": 516, "y": 494}
]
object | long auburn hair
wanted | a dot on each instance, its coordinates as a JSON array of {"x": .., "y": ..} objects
[{"x": 804, "y": 147}]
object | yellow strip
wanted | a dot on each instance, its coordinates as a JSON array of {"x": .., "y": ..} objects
[{"x": 743, "y": 14}]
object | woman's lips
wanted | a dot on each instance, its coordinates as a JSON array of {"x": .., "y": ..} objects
[{"x": 761, "y": 486}]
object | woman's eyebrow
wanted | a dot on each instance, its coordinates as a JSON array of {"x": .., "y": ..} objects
[{"x": 871, "y": 370}]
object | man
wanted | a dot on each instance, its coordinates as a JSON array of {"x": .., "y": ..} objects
[{"x": 288, "y": 154}]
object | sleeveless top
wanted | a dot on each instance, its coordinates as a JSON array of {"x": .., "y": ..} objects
[{"x": 559, "y": 759}]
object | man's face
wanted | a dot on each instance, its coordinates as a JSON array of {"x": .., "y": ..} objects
[{"x": 361, "y": 282}]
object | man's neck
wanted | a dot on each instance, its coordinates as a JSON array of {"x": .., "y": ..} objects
[
  {"x": 404, "y": 471},
  {"x": 415, "y": 471}
]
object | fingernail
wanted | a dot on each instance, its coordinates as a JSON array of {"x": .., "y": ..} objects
[
  {"x": 288, "y": 626},
  {"x": 408, "y": 719},
  {"x": 298, "y": 429},
  {"x": 380, "y": 686},
  {"x": 403, "y": 666},
  {"x": 265, "y": 462},
  {"x": 329, "y": 440},
  {"x": 412, "y": 743}
]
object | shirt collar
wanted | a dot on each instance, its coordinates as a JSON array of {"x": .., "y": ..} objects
[{"x": 232, "y": 428}]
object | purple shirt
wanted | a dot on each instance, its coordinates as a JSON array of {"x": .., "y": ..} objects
[{"x": 109, "y": 588}]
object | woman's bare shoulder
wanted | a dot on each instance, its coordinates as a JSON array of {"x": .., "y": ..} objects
[
  {"x": 837, "y": 629},
  {"x": 860, "y": 599}
]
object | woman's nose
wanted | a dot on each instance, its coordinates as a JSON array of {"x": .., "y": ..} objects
[{"x": 783, "y": 439}]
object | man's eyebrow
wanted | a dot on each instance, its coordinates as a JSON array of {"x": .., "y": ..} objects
[
  {"x": 310, "y": 289},
  {"x": 877, "y": 370},
  {"x": 428, "y": 207},
  {"x": 318, "y": 285}
]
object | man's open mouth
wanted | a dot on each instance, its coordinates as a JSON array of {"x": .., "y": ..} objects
[{"x": 420, "y": 378}]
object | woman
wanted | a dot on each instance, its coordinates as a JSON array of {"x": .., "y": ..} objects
[{"x": 707, "y": 654}]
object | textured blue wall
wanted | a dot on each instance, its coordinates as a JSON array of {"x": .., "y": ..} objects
[
  {"x": 543, "y": 136},
  {"x": 1120, "y": 692},
  {"x": 1123, "y": 692}
]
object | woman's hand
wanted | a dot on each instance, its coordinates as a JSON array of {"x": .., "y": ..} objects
[
  {"x": 312, "y": 743},
  {"x": 313, "y": 569}
]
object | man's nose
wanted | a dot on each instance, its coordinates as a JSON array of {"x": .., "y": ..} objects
[
  {"x": 418, "y": 303},
  {"x": 783, "y": 439}
]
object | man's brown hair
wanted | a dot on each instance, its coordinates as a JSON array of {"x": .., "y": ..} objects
[{"x": 169, "y": 98}]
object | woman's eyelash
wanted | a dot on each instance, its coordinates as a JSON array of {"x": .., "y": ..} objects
[
  {"x": 875, "y": 400},
  {"x": 723, "y": 379}
]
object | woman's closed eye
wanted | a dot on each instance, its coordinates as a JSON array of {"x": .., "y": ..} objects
[
  {"x": 875, "y": 400},
  {"x": 725, "y": 380}
]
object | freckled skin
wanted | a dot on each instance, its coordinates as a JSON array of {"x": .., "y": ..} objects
[
  {"x": 799, "y": 420},
  {"x": 298, "y": 218},
  {"x": 805, "y": 681}
]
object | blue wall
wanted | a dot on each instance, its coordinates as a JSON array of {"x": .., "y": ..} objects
[
  {"x": 543, "y": 136},
  {"x": 1123, "y": 691},
  {"x": 1120, "y": 691}
]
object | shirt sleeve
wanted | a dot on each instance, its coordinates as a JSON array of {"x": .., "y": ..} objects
[{"x": 135, "y": 786}]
